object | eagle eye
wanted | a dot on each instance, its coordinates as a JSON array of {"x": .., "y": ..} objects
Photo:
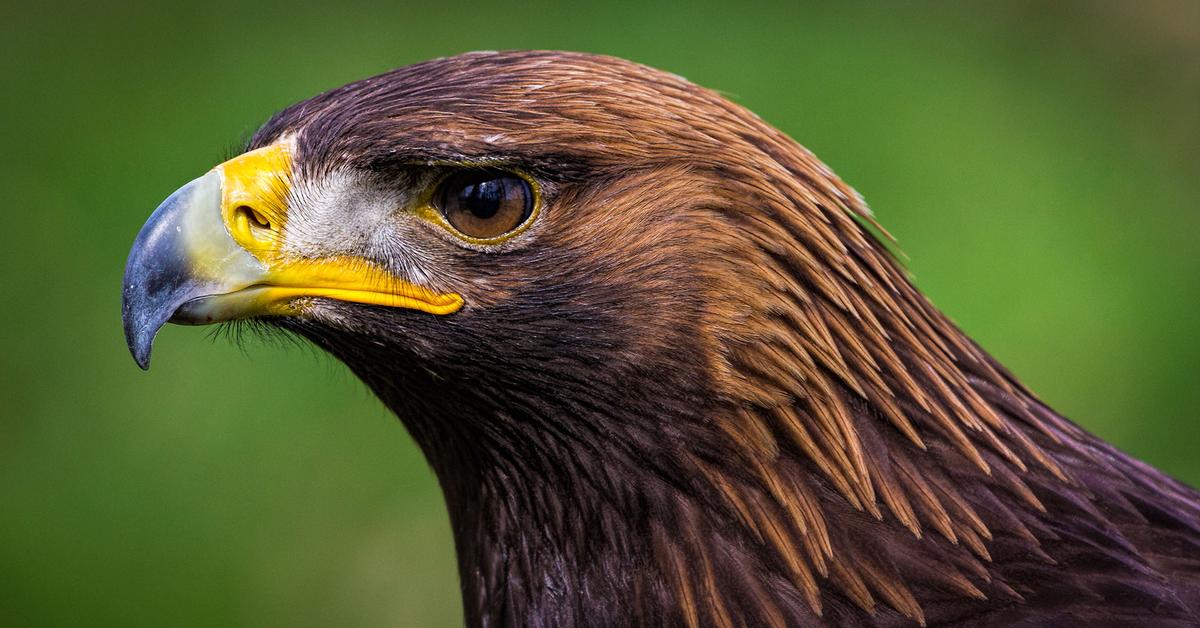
[{"x": 485, "y": 204}]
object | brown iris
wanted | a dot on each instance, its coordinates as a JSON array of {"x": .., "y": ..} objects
[{"x": 485, "y": 204}]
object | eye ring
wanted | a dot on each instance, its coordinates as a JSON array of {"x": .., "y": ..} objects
[{"x": 485, "y": 206}]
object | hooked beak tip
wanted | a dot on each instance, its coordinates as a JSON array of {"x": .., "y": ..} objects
[
  {"x": 142, "y": 358},
  {"x": 139, "y": 335},
  {"x": 158, "y": 276}
]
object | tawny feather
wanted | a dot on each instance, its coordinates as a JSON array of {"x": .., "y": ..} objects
[{"x": 699, "y": 390}]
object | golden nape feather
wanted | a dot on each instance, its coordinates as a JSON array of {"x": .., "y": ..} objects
[{"x": 662, "y": 366}]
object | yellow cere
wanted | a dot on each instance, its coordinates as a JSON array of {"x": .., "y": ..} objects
[{"x": 254, "y": 191}]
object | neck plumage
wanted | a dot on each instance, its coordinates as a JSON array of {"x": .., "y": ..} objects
[
  {"x": 654, "y": 490},
  {"x": 672, "y": 503},
  {"x": 610, "y": 533}
]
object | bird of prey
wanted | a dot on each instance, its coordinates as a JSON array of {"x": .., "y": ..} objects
[{"x": 662, "y": 361}]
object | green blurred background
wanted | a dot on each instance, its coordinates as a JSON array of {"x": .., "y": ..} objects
[{"x": 1037, "y": 161}]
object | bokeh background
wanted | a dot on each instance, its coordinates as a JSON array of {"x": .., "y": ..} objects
[{"x": 1037, "y": 160}]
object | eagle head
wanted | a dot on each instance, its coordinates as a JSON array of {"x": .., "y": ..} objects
[{"x": 660, "y": 362}]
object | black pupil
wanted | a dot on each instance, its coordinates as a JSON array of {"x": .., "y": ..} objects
[{"x": 483, "y": 198}]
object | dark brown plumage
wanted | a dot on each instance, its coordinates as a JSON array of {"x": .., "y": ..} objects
[{"x": 697, "y": 390}]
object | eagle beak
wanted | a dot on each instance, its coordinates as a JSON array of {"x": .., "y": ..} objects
[{"x": 215, "y": 251}]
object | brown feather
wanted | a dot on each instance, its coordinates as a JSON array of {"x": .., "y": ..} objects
[{"x": 699, "y": 391}]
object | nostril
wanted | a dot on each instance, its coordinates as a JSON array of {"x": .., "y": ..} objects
[{"x": 253, "y": 217}]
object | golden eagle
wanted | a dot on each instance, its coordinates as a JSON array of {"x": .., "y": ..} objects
[{"x": 660, "y": 364}]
